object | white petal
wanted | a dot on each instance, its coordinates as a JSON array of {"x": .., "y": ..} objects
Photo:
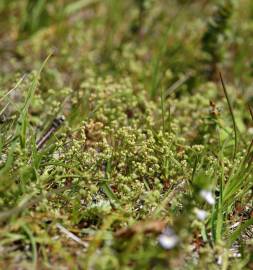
[
  {"x": 168, "y": 242},
  {"x": 201, "y": 214},
  {"x": 208, "y": 196}
]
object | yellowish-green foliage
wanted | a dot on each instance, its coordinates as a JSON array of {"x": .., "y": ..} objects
[{"x": 152, "y": 167}]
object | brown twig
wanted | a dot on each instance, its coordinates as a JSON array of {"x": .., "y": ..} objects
[{"x": 57, "y": 122}]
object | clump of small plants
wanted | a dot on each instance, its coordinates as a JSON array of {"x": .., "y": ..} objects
[{"x": 126, "y": 135}]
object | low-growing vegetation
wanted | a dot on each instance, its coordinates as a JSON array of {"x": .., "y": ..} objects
[{"x": 126, "y": 134}]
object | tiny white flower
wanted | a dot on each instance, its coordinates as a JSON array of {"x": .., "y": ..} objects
[
  {"x": 207, "y": 196},
  {"x": 201, "y": 214},
  {"x": 250, "y": 130},
  {"x": 168, "y": 239},
  {"x": 219, "y": 260}
]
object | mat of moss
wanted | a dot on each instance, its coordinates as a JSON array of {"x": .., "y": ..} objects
[{"x": 126, "y": 134}]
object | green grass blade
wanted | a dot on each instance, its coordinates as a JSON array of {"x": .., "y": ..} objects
[{"x": 232, "y": 115}]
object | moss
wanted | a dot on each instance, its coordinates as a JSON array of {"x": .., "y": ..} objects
[{"x": 128, "y": 171}]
